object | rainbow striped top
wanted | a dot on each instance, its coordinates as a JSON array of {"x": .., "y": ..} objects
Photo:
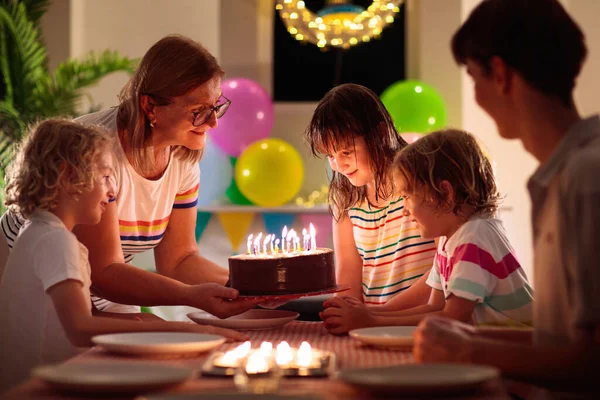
[
  {"x": 394, "y": 253},
  {"x": 478, "y": 263},
  {"x": 144, "y": 207}
]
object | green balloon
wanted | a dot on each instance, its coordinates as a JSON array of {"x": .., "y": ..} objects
[
  {"x": 233, "y": 193},
  {"x": 414, "y": 106}
]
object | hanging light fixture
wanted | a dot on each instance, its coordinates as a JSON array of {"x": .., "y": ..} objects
[{"x": 339, "y": 24}]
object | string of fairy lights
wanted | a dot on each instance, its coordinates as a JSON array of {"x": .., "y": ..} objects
[{"x": 339, "y": 24}]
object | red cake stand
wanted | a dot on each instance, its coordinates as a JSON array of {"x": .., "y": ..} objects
[{"x": 294, "y": 296}]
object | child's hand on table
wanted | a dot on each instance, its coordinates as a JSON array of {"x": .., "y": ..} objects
[{"x": 342, "y": 314}]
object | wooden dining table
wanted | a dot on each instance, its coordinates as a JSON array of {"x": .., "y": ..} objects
[{"x": 349, "y": 352}]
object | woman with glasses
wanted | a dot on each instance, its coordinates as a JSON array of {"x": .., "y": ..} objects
[{"x": 165, "y": 111}]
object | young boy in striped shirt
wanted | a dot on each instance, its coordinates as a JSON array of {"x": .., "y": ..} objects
[{"x": 449, "y": 191}]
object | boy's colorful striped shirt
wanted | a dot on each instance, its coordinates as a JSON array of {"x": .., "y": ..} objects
[
  {"x": 477, "y": 263},
  {"x": 394, "y": 253}
]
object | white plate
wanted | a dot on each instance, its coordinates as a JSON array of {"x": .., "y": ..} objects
[
  {"x": 252, "y": 319},
  {"x": 385, "y": 336},
  {"x": 111, "y": 377},
  {"x": 419, "y": 378},
  {"x": 148, "y": 343}
]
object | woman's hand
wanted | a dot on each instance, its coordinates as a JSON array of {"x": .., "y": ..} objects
[
  {"x": 439, "y": 339},
  {"x": 218, "y": 300},
  {"x": 342, "y": 314}
]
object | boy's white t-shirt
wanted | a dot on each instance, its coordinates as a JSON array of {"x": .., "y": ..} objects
[
  {"x": 44, "y": 254},
  {"x": 478, "y": 263}
]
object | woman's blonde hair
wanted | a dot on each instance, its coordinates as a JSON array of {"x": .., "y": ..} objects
[
  {"x": 172, "y": 67},
  {"x": 56, "y": 152},
  {"x": 449, "y": 155}
]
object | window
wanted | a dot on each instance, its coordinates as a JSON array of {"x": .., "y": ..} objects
[{"x": 304, "y": 72}]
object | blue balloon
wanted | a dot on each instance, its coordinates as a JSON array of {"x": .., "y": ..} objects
[{"x": 216, "y": 174}]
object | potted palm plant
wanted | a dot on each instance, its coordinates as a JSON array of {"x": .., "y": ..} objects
[{"x": 28, "y": 90}]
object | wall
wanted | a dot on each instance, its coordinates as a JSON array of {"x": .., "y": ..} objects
[{"x": 132, "y": 26}]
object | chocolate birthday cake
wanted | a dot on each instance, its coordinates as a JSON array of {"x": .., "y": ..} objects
[{"x": 282, "y": 273}]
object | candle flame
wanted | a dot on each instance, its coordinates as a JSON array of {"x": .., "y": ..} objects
[
  {"x": 232, "y": 357},
  {"x": 257, "y": 363},
  {"x": 267, "y": 240},
  {"x": 266, "y": 348},
  {"x": 304, "y": 355},
  {"x": 257, "y": 240},
  {"x": 283, "y": 354}
]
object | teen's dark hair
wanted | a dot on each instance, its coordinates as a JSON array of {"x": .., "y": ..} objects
[
  {"x": 535, "y": 37},
  {"x": 345, "y": 112}
]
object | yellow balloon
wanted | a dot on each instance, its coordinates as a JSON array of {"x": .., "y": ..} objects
[{"x": 269, "y": 172}]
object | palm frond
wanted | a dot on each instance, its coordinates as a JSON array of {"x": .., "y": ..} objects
[
  {"x": 7, "y": 151},
  {"x": 35, "y": 8},
  {"x": 26, "y": 56},
  {"x": 11, "y": 122},
  {"x": 60, "y": 94}
]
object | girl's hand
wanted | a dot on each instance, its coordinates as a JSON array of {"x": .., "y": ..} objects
[
  {"x": 341, "y": 316},
  {"x": 439, "y": 339}
]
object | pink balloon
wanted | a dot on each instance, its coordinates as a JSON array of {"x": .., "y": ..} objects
[
  {"x": 411, "y": 137},
  {"x": 248, "y": 119}
]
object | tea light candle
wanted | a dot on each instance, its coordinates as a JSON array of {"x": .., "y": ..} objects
[
  {"x": 283, "y": 354},
  {"x": 304, "y": 355},
  {"x": 257, "y": 363},
  {"x": 266, "y": 348},
  {"x": 231, "y": 358}
]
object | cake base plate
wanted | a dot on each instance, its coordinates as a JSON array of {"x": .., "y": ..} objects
[{"x": 294, "y": 296}]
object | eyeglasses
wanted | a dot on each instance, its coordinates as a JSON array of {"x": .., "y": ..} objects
[{"x": 201, "y": 117}]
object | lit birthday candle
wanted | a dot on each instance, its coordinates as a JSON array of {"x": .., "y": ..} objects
[
  {"x": 288, "y": 239},
  {"x": 257, "y": 243},
  {"x": 265, "y": 242},
  {"x": 305, "y": 242},
  {"x": 249, "y": 244},
  {"x": 271, "y": 242},
  {"x": 284, "y": 234},
  {"x": 277, "y": 246},
  {"x": 313, "y": 234}
]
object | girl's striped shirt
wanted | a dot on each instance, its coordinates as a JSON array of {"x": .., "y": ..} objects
[
  {"x": 478, "y": 263},
  {"x": 394, "y": 253}
]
